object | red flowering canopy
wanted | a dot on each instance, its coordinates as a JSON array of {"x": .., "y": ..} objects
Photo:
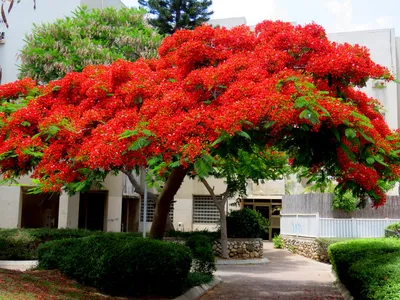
[{"x": 282, "y": 85}]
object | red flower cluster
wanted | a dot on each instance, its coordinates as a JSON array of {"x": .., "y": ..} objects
[{"x": 206, "y": 82}]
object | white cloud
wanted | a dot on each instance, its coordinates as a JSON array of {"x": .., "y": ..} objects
[{"x": 255, "y": 11}]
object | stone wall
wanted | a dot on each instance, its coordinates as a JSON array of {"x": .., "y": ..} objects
[
  {"x": 307, "y": 247},
  {"x": 241, "y": 248}
]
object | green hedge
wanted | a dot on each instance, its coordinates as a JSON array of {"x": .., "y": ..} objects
[
  {"x": 120, "y": 264},
  {"x": 246, "y": 223},
  {"x": 201, "y": 248},
  {"x": 213, "y": 235},
  {"x": 370, "y": 268},
  {"x": 22, "y": 244}
]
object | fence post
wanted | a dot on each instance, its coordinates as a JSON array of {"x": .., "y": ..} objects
[
  {"x": 297, "y": 225},
  {"x": 353, "y": 227},
  {"x": 318, "y": 225}
]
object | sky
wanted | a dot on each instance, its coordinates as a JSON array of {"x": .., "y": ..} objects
[{"x": 333, "y": 15}]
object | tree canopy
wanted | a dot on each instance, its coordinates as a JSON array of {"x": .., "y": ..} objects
[
  {"x": 282, "y": 85},
  {"x": 88, "y": 37},
  {"x": 170, "y": 15}
]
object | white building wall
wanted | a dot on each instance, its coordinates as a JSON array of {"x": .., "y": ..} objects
[
  {"x": 382, "y": 45},
  {"x": 10, "y": 206},
  {"x": 112, "y": 216}
]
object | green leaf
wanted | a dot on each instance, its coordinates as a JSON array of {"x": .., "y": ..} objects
[
  {"x": 26, "y": 124},
  {"x": 244, "y": 134},
  {"x": 336, "y": 133},
  {"x": 370, "y": 160},
  {"x": 379, "y": 159},
  {"x": 350, "y": 133},
  {"x": 128, "y": 133},
  {"x": 346, "y": 150},
  {"x": 140, "y": 143},
  {"x": 371, "y": 140},
  {"x": 269, "y": 124}
]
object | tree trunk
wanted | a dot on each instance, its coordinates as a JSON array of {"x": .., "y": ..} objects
[
  {"x": 151, "y": 197},
  {"x": 224, "y": 230},
  {"x": 164, "y": 201}
]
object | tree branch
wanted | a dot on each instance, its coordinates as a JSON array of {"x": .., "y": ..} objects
[{"x": 138, "y": 188}]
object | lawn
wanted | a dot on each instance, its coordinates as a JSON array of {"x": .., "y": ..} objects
[{"x": 44, "y": 285}]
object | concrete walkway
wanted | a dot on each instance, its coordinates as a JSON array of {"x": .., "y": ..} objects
[{"x": 287, "y": 276}]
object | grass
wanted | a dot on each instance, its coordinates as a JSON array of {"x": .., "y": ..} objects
[{"x": 44, "y": 284}]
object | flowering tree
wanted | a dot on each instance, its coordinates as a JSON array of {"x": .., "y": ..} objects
[{"x": 282, "y": 85}]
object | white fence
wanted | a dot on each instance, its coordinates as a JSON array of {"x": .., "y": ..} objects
[{"x": 311, "y": 225}]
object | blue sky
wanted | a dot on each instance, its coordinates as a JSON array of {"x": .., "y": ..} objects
[{"x": 334, "y": 15}]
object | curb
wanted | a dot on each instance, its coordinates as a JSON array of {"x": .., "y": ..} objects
[
  {"x": 19, "y": 265},
  {"x": 198, "y": 291},
  {"x": 341, "y": 287},
  {"x": 259, "y": 261}
]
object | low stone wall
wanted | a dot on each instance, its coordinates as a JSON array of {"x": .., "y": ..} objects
[
  {"x": 237, "y": 248},
  {"x": 307, "y": 247},
  {"x": 241, "y": 248}
]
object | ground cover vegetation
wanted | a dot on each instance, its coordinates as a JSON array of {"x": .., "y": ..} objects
[{"x": 281, "y": 86}]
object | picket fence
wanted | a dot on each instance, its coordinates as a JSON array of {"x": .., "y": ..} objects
[{"x": 311, "y": 225}]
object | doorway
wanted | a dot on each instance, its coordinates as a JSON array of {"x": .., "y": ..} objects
[
  {"x": 269, "y": 208},
  {"x": 39, "y": 210},
  {"x": 92, "y": 210},
  {"x": 130, "y": 214}
]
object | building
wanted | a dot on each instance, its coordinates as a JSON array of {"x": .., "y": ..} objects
[
  {"x": 118, "y": 207},
  {"x": 21, "y": 20}
]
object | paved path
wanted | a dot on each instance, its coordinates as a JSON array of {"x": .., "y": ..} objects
[{"x": 287, "y": 276}]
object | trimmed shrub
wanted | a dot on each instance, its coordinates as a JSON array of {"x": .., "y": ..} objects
[
  {"x": 394, "y": 226},
  {"x": 120, "y": 264},
  {"x": 246, "y": 223},
  {"x": 203, "y": 254},
  {"x": 370, "y": 268},
  {"x": 22, "y": 244}
]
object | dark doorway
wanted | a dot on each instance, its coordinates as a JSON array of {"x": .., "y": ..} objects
[
  {"x": 130, "y": 214},
  {"x": 264, "y": 211},
  {"x": 91, "y": 210},
  {"x": 39, "y": 210}
]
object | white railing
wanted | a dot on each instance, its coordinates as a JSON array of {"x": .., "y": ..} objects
[{"x": 311, "y": 225}]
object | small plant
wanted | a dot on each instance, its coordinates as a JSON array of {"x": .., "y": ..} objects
[{"x": 277, "y": 240}]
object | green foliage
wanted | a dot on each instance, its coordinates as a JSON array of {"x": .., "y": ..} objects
[
  {"x": 246, "y": 223},
  {"x": 172, "y": 15},
  {"x": 394, "y": 226},
  {"x": 346, "y": 201},
  {"x": 278, "y": 243},
  {"x": 88, "y": 37},
  {"x": 203, "y": 254},
  {"x": 195, "y": 279},
  {"x": 213, "y": 235},
  {"x": 370, "y": 268},
  {"x": 120, "y": 264},
  {"x": 22, "y": 244}
]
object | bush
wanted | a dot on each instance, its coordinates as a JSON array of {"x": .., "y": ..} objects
[
  {"x": 203, "y": 254},
  {"x": 22, "y": 244},
  {"x": 246, "y": 223},
  {"x": 370, "y": 268},
  {"x": 277, "y": 241},
  {"x": 213, "y": 235},
  {"x": 393, "y": 227},
  {"x": 324, "y": 244},
  {"x": 120, "y": 264}
]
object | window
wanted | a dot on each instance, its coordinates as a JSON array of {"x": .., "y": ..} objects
[
  {"x": 151, "y": 208},
  {"x": 204, "y": 210}
]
